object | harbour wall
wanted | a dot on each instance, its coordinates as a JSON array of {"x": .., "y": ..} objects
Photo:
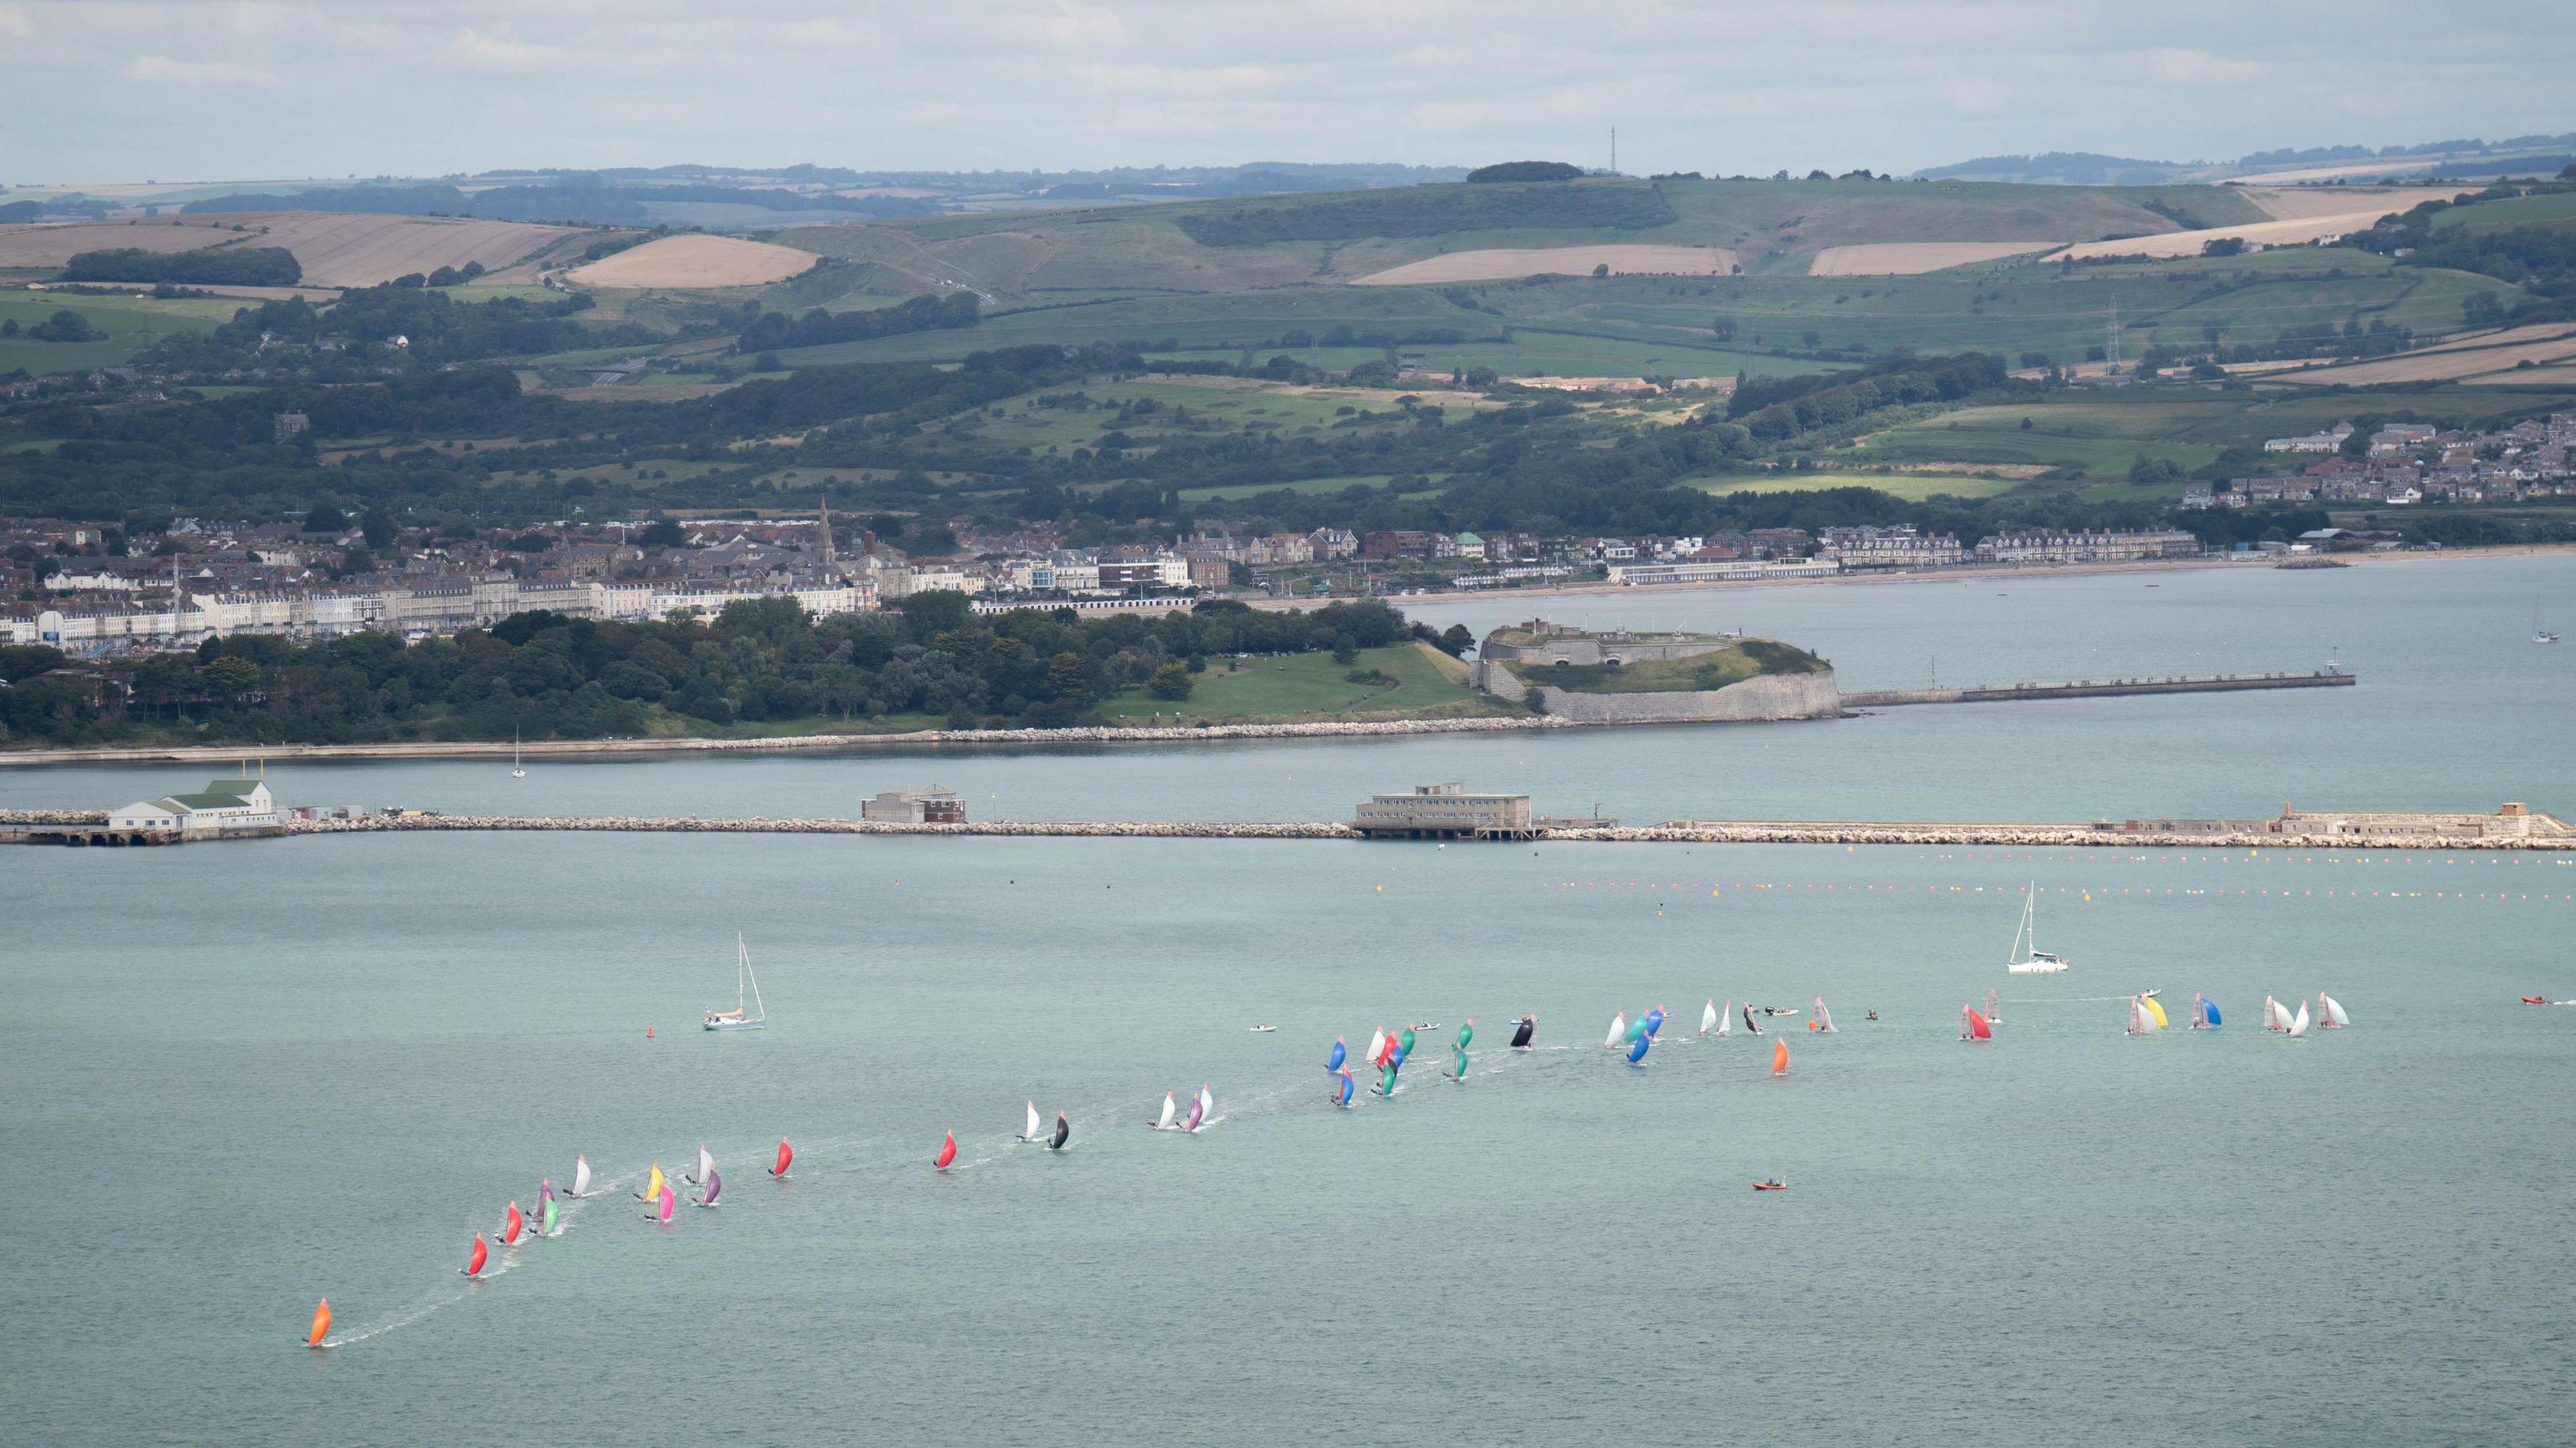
[
  {"x": 2099, "y": 689},
  {"x": 15, "y": 826}
]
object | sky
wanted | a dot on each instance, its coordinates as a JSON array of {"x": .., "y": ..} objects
[{"x": 103, "y": 91}]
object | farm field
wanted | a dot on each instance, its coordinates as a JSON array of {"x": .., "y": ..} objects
[
  {"x": 1913, "y": 487},
  {"x": 1500, "y": 264},
  {"x": 2558, "y": 210},
  {"x": 1309, "y": 686},
  {"x": 336, "y": 249},
  {"x": 695, "y": 261},
  {"x": 1912, "y": 258},
  {"x": 2290, "y": 203},
  {"x": 2504, "y": 362},
  {"x": 1167, "y": 406},
  {"x": 1302, "y": 485},
  {"x": 2294, "y": 232},
  {"x": 131, "y": 324}
]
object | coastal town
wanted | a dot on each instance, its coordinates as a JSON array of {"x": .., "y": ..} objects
[{"x": 90, "y": 587}]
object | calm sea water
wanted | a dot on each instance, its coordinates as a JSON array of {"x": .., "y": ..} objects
[{"x": 242, "y": 1078}]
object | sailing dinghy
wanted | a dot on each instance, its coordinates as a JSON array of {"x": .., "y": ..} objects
[
  {"x": 1029, "y": 1133},
  {"x": 748, "y": 1015},
  {"x": 1709, "y": 1019},
  {"x": 947, "y": 1151},
  {"x": 1203, "y": 1110},
  {"x": 1780, "y": 1057},
  {"x": 1751, "y": 1026},
  {"x": 2204, "y": 1013},
  {"x": 474, "y": 1260},
  {"x": 1824, "y": 1021},
  {"x": 706, "y": 1166},
  {"x": 2299, "y": 1023},
  {"x": 1973, "y": 1026},
  {"x": 321, "y": 1325},
  {"x": 1164, "y": 1121},
  {"x": 714, "y": 1184},
  {"x": 511, "y": 1225},
  {"x": 786, "y": 1156},
  {"x": 1524, "y": 1032},
  {"x": 1726, "y": 1020},
  {"x": 2330, "y": 1012},
  {"x": 2027, "y": 958},
  {"x": 1618, "y": 1032},
  {"x": 653, "y": 1186},
  {"x": 1063, "y": 1133},
  {"x": 670, "y": 1199},
  {"x": 581, "y": 1176},
  {"x": 548, "y": 1222}
]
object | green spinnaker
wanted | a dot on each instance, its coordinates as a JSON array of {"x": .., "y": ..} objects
[
  {"x": 1634, "y": 1031},
  {"x": 1466, "y": 1033},
  {"x": 1386, "y": 1084},
  {"x": 1462, "y": 1061},
  {"x": 1405, "y": 1041},
  {"x": 548, "y": 1226}
]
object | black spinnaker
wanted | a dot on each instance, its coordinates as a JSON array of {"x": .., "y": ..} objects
[{"x": 1063, "y": 1133}]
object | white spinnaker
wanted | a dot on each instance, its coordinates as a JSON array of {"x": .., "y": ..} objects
[
  {"x": 1726, "y": 1020},
  {"x": 706, "y": 1164},
  {"x": 1032, "y": 1133},
  {"x": 581, "y": 1176},
  {"x": 1618, "y": 1028},
  {"x": 2330, "y": 1010},
  {"x": 1377, "y": 1043},
  {"x": 1709, "y": 1018},
  {"x": 1207, "y": 1107},
  {"x": 1165, "y": 1123},
  {"x": 2299, "y": 1022}
]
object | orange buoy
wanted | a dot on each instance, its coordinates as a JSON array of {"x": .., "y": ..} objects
[{"x": 321, "y": 1324}]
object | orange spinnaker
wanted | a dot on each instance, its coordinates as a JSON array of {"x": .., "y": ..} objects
[
  {"x": 947, "y": 1152},
  {"x": 321, "y": 1324},
  {"x": 786, "y": 1154},
  {"x": 510, "y": 1225},
  {"x": 1780, "y": 1058}
]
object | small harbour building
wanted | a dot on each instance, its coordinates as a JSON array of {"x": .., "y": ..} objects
[
  {"x": 224, "y": 804},
  {"x": 1446, "y": 812}
]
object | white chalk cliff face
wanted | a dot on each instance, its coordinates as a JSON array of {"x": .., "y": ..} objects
[{"x": 1772, "y": 696}]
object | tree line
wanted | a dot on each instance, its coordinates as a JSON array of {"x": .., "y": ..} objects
[{"x": 544, "y": 676}]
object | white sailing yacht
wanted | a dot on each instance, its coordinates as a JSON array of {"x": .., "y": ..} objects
[
  {"x": 517, "y": 770},
  {"x": 2027, "y": 958},
  {"x": 746, "y": 987},
  {"x": 2541, "y": 635}
]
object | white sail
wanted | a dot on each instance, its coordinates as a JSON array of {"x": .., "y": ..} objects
[
  {"x": 1726, "y": 1020},
  {"x": 706, "y": 1164},
  {"x": 581, "y": 1176},
  {"x": 2299, "y": 1022},
  {"x": 2026, "y": 957},
  {"x": 1709, "y": 1019},
  {"x": 2330, "y": 1011},
  {"x": 1377, "y": 1043},
  {"x": 2274, "y": 1018},
  {"x": 1824, "y": 1018},
  {"x": 1032, "y": 1133},
  {"x": 1165, "y": 1122},
  {"x": 1207, "y": 1107},
  {"x": 1618, "y": 1028}
]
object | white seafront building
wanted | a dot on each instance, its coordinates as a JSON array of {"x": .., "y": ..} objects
[{"x": 428, "y": 609}]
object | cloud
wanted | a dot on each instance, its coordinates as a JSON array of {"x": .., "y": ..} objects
[
  {"x": 1734, "y": 85},
  {"x": 162, "y": 70},
  {"x": 2199, "y": 68}
]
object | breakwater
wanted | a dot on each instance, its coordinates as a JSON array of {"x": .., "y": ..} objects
[
  {"x": 2100, "y": 689},
  {"x": 68, "y": 827}
]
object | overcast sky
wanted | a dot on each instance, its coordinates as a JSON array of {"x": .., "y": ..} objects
[{"x": 103, "y": 91}]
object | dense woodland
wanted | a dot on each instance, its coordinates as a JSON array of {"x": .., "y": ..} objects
[{"x": 762, "y": 663}]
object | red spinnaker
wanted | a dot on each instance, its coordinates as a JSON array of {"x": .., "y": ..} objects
[
  {"x": 947, "y": 1152},
  {"x": 786, "y": 1154},
  {"x": 474, "y": 1263}
]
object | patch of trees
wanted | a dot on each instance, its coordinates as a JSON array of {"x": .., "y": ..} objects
[
  {"x": 765, "y": 661},
  {"x": 774, "y": 330},
  {"x": 245, "y": 266},
  {"x": 1525, "y": 171},
  {"x": 1431, "y": 211},
  {"x": 63, "y": 326},
  {"x": 2539, "y": 259},
  {"x": 1778, "y": 408}
]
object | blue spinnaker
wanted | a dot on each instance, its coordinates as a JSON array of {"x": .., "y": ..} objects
[
  {"x": 1637, "y": 1052},
  {"x": 1340, "y": 1054},
  {"x": 1654, "y": 1020},
  {"x": 2209, "y": 1010}
]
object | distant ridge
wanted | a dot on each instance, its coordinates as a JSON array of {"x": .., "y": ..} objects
[{"x": 2090, "y": 168}]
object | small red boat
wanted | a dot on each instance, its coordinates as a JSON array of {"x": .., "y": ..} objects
[
  {"x": 2535, "y": 1000},
  {"x": 1771, "y": 1186}
]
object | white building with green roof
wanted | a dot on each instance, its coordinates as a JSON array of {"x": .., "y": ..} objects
[{"x": 223, "y": 804}]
